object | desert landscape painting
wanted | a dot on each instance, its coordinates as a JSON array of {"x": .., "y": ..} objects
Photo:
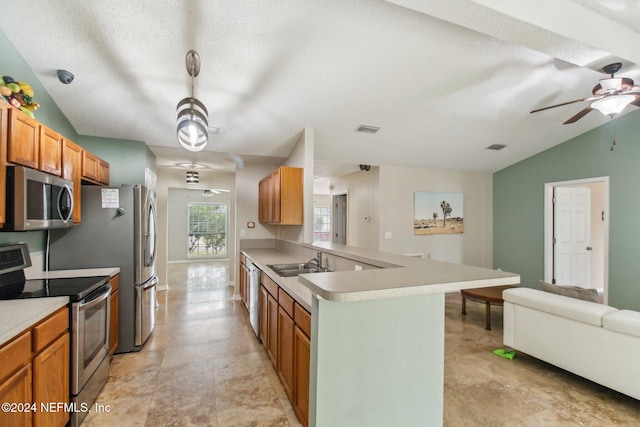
[{"x": 437, "y": 213}]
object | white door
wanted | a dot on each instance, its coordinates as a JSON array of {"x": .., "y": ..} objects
[{"x": 572, "y": 236}]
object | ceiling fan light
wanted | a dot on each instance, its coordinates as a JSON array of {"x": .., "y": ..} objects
[
  {"x": 611, "y": 85},
  {"x": 612, "y": 105}
]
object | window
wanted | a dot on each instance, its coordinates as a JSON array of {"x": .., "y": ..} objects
[
  {"x": 207, "y": 229},
  {"x": 321, "y": 224}
]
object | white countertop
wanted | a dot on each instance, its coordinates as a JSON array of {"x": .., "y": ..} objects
[
  {"x": 402, "y": 276},
  {"x": 81, "y": 272},
  {"x": 262, "y": 257},
  {"x": 18, "y": 315}
]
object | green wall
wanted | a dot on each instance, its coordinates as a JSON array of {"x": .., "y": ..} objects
[
  {"x": 128, "y": 159},
  {"x": 518, "y": 205}
]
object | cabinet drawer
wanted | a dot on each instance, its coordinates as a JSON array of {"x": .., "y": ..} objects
[
  {"x": 47, "y": 331},
  {"x": 302, "y": 319},
  {"x": 285, "y": 301},
  {"x": 15, "y": 354},
  {"x": 269, "y": 284}
]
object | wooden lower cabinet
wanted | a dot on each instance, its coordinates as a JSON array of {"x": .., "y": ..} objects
[
  {"x": 34, "y": 370},
  {"x": 285, "y": 328},
  {"x": 51, "y": 382},
  {"x": 301, "y": 366},
  {"x": 272, "y": 329},
  {"x": 16, "y": 390},
  {"x": 285, "y": 351},
  {"x": 113, "y": 315}
]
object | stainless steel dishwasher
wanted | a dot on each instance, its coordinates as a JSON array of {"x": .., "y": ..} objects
[{"x": 254, "y": 303}]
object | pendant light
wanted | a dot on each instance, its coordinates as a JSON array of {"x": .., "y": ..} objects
[{"x": 193, "y": 117}]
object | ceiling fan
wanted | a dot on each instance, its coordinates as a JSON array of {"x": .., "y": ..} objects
[{"x": 610, "y": 96}]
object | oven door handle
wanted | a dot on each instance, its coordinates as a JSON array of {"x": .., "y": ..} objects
[{"x": 96, "y": 301}]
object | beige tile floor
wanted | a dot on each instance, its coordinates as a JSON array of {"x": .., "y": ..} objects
[{"x": 204, "y": 367}]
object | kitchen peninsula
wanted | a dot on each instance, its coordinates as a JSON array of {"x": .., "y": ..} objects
[{"x": 377, "y": 335}]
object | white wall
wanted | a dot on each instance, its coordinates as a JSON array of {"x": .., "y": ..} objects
[
  {"x": 396, "y": 187},
  {"x": 175, "y": 178},
  {"x": 302, "y": 157},
  {"x": 362, "y": 189},
  {"x": 177, "y": 235}
]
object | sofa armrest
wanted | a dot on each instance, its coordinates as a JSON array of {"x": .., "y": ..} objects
[{"x": 570, "y": 308}]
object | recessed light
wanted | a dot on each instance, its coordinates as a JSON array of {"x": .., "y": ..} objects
[
  {"x": 496, "y": 147},
  {"x": 367, "y": 129}
]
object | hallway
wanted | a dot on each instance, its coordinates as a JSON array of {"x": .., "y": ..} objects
[{"x": 202, "y": 366}]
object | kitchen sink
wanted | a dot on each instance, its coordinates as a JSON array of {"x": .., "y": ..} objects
[{"x": 291, "y": 270}]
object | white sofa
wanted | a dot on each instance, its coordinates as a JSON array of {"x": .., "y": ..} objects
[{"x": 595, "y": 341}]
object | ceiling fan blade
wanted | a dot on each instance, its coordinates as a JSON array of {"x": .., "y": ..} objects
[
  {"x": 578, "y": 116},
  {"x": 560, "y": 105},
  {"x": 636, "y": 101}
]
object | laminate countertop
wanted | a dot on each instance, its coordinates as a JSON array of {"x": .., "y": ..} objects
[
  {"x": 398, "y": 275},
  {"x": 17, "y": 316}
]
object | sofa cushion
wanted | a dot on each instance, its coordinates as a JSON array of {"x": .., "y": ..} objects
[
  {"x": 571, "y": 291},
  {"x": 623, "y": 321},
  {"x": 570, "y": 308}
]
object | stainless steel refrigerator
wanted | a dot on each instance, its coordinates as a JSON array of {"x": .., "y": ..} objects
[{"x": 117, "y": 229}]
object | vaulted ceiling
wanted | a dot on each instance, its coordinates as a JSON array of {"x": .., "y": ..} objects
[{"x": 442, "y": 79}]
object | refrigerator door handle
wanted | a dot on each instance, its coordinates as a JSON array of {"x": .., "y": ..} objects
[{"x": 150, "y": 283}]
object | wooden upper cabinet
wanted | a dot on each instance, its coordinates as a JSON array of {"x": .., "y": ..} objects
[
  {"x": 94, "y": 169},
  {"x": 89, "y": 166},
  {"x": 280, "y": 199},
  {"x": 103, "y": 172},
  {"x": 50, "y": 155},
  {"x": 72, "y": 170},
  {"x": 23, "y": 142}
]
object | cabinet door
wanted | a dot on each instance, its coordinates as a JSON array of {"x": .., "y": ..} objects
[
  {"x": 16, "y": 389},
  {"x": 104, "y": 172},
  {"x": 72, "y": 170},
  {"x": 276, "y": 201},
  {"x": 272, "y": 329},
  {"x": 264, "y": 296},
  {"x": 242, "y": 281},
  {"x": 23, "y": 144},
  {"x": 4, "y": 129},
  {"x": 113, "y": 323},
  {"x": 301, "y": 357},
  {"x": 50, "y": 156},
  {"x": 285, "y": 351},
  {"x": 51, "y": 382},
  {"x": 89, "y": 166}
]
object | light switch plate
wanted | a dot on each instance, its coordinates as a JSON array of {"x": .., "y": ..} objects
[{"x": 388, "y": 235}]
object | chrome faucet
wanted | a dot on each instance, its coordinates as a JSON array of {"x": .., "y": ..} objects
[{"x": 317, "y": 260}]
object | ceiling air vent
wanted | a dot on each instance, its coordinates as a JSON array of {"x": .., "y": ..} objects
[
  {"x": 367, "y": 129},
  {"x": 496, "y": 147}
]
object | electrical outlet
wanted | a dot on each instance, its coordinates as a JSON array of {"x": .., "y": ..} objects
[
  {"x": 358, "y": 267},
  {"x": 388, "y": 235}
]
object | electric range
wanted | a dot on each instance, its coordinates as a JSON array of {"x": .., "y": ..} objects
[{"x": 89, "y": 321}]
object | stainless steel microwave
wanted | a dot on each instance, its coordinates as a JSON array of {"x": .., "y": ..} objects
[{"x": 37, "y": 200}]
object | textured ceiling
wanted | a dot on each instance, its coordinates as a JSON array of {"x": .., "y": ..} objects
[{"x": 443, "y": 79}]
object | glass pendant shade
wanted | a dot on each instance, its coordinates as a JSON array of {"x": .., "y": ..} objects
[
  {"x": 193, "y": 124},
  {"x": 612, "y": 105}
]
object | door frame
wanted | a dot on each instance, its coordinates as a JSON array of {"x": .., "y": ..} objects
[
  {"x": 333, "y": 216},
  {"x": 548, "y": 227}
]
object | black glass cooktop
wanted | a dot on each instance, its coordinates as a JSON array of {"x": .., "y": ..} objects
[{"x": 77, "y": 288}]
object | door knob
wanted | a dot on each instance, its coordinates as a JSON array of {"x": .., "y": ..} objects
[{"x": 589, "y": 248}]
